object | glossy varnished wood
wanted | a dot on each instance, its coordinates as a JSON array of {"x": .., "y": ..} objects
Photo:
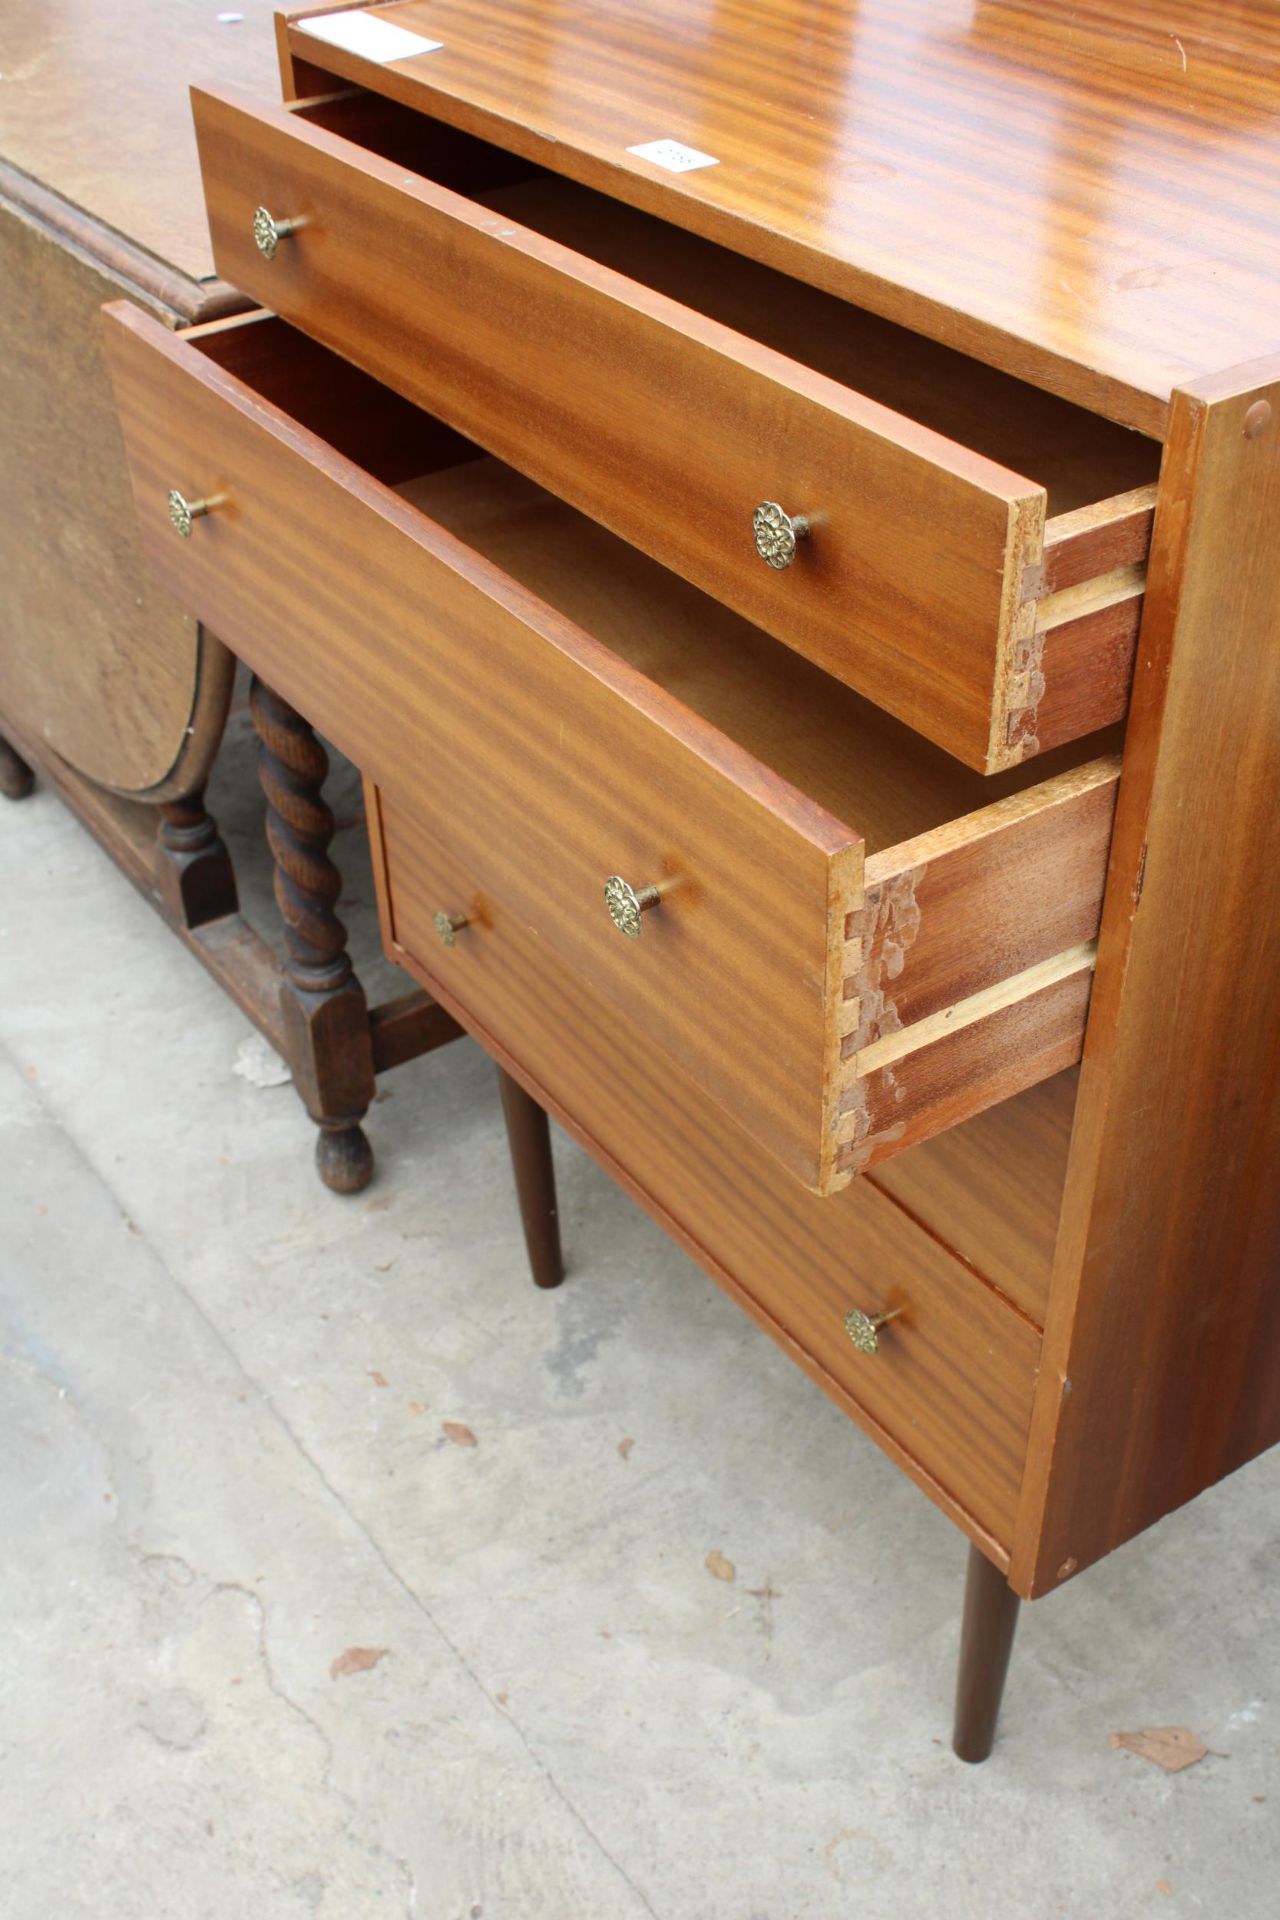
[
  {"x": 1161, "y": 1371},
  {"x": 949, "y": 1389},
  {"x": 443, "y": 672},
  {"x": 912, "y": 586},
  {"x": 95, "y": 108},
  {"x": 525, "y": 683},
  {"x": 1119, "y": 164}
]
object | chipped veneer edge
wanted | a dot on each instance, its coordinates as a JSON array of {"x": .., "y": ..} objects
[
  {"x": 881, "y": 930},
  {"x": 1028, "y": 519},
  {"x": 1013, "y": 731},
  {"x": 859, "y": 1146},
  {"x": 846, "y": 891}
]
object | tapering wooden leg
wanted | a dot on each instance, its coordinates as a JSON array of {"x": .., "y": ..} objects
[
  {"x": 325, "y": 1014},
  {"x": 986, "y": 1639},
  {"x": 193, "y": 868},
  {"x": 529, "y": 1137},
  {"x": 16, "y": 777}
]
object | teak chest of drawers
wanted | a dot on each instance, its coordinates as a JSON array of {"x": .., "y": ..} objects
[{"x": 814, "y": 686}]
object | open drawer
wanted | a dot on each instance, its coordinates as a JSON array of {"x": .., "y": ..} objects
[
  {"x": 964, "y": 550},
  {"x": 845, "y": 937}
]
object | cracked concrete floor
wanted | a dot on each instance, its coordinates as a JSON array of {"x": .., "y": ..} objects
[{"x": 225, "y": 1465}]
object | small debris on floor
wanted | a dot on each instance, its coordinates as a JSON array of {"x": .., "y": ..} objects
[
  {"x": 258, "y": 1062},
  {"x": 1172, "y": 1748},
  {"x": 719, "y": 1567},
  {"x": 461, "y": 1436},
  {"x": 625, "y": 1446},
  {"x": 378, "y": 1379},
  {"x": 357, "y": 1660}
]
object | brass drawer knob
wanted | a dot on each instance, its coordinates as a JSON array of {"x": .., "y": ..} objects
[
  {"x": 777, "y": 532},
  {"x": 626, "y": 904},
  {"x": 864, "y": 1328},
  {"x": 447, "y": 925},
  {"x": 184, "y": 513},
  {"x": 268, "y": 232}
]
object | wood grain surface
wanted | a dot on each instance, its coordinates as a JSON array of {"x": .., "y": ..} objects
[
  {"x": 1162, "y": 1350},
  {"x": 1084, "y": 197},
  {"x": 991, "y": 1190},
  {"x": 99, "y": 197},
  {"x": 948, "y": 1392},
  {"x": 912, "y": 580},
  {"x": 574, "y": 374},
  {"x": 94, "y": 105},
  {"x": 554, "y": 762},
  {"x": 452, "y": 662},
  {"x": 98, "y": 661}
]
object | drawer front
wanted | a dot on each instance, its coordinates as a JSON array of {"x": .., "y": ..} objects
[
  {"x": 664, "y": 425},
  {"x": 950, "y": 1384},
  {"x": 557, "y": 763}
]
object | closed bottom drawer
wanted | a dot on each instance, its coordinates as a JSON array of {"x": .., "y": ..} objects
[
  {"x": 948, "y": 1388},
  {"x": 848, "y": 940}
]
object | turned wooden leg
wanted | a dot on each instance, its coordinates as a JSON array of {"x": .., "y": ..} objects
[
  {"x": 193, "y": 868},
  {"x": 529, "y": 1137},
  {"x": 16, "y": 777},
  {"x": 325, "y": 1014},
  {"x": 986, "y": 1638}
]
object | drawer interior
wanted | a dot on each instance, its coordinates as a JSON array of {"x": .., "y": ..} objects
[
  {"x": 1078, "y": 457},
  {"x": 991, "y": 1189},
  {"x": 881, "y": 779}
]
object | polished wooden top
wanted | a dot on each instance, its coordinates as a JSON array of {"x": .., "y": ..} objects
[
  {"x": 94, "y": 105},
  {"x": 1087, "y": 196}
]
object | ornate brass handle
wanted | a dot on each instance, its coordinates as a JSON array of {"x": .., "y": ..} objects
[
  {"x": 268, "y": 232},
  {"x": 627, "y": 903},
  {"x": 864, "y": 1328},
  {"x": 447, "y": 925},
  {"x": 184, "y": 513},
  {"x": 777, "y": 532}
]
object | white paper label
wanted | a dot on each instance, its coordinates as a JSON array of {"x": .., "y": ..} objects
[
  {"x": 363, "y": 33},
  {"x": 671, "y": 155}
]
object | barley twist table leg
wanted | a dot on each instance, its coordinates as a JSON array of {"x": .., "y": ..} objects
[
  {"x": 325, "y": 1013},
  {"x": 193, "y": 868}
]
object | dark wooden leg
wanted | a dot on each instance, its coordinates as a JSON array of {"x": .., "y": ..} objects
[
  {"x": 529, "y": 1137},
  {"x": 193, "y": 868},
  {"x": 325, "y": 1014},
  {"x": 16, "y": 777},
  {"x": 986, "y": 1638}
]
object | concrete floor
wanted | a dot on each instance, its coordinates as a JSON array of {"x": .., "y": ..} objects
[{"x": 224, "y": 1464}]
